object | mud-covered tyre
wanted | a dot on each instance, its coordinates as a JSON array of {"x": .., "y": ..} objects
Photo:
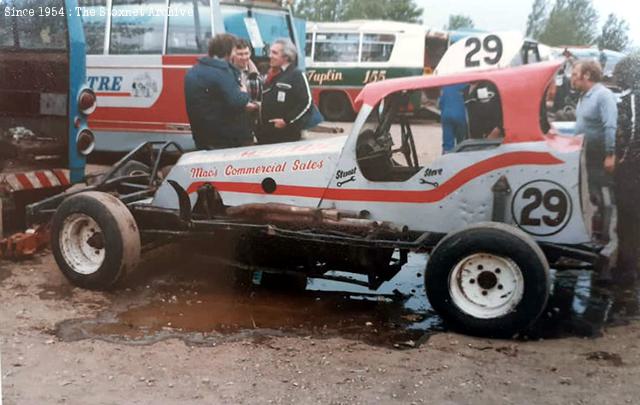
[
  {"x": 335, "y": 106},
  {"x": 489, "y": 279},
  {"x": 95, "y": 240}
]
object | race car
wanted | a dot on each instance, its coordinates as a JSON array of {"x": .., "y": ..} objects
[{"x": 492, "y": 215}]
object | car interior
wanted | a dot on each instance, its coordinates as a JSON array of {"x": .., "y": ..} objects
[{"x": 397, "y": 141}]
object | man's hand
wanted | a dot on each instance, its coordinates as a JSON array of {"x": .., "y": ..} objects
[
  {"x": 610, "y": 163},
  {"x": 278, "y": 123},
  {"x": 251, "y": 106}
]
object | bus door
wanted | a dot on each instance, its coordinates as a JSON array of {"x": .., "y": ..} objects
[
  {"x": 42, "y": 74},
  {"x": 435, "y": 46},
  {"x": 44, "y": 104}
]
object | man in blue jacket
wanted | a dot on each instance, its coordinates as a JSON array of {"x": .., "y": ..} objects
[{"x": 217, "y": 105}]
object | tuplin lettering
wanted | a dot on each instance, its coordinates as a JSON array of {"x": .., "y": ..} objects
[{"x": 330, "y": 75}]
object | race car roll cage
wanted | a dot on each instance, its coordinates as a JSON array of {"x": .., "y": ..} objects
[{"x": 209, "y": 216}]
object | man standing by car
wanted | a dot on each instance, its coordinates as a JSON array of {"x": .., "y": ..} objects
[
  {"x": 286, "y": 99},
  {"x": 596, "y": 119},
  {"x": 627, "y": 173},
  {"x": 216, "y": 102}
]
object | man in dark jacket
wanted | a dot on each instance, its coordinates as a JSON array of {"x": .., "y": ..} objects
[
  {"x": 216, "y": 103},
  {"x": 286, "y": 99},
  {"x": 627, "y": 169}
]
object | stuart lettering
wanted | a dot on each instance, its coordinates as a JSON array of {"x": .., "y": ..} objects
[{"x": 341, "y": 174}]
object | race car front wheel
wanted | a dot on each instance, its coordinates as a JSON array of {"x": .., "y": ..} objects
[
  {"x": 94, "y": 239},
  {"x": 489, "y": 279}
]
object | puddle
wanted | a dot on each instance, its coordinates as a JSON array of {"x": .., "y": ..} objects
[{"x": 199, "y": 303}]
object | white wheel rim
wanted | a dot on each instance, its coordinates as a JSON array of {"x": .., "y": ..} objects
[
  {"x": 486, "y": 286},
  {"x": 82, "y": 243}
]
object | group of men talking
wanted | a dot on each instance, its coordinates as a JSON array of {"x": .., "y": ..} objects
[{"x": 230, "y": 104}]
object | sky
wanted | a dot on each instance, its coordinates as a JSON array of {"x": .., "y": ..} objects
[{"x": 501, "y": 15}]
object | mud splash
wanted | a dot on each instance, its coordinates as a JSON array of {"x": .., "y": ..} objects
[{"x": 200, "y": 303}]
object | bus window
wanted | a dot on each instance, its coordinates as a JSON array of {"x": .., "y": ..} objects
[
  {"x": 272, "y": 24},
  {"x": 94, "y": 22},
  {"x": 377, "y": 47},
  {"x": 42, "y": 32},
  {"x": 337, "y": 47},
  {"x": 189, "y": 26},
  {"x": 136, "y": 28}
]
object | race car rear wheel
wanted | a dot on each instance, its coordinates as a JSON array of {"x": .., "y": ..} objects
[
  {"x": 94, "y": 240},
  {"x": 488, "y": 279}
]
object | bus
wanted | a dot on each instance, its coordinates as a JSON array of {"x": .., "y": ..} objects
[
  {"x": 139, "y": 51},
  {"x": 44, "y": 101},
  {"x": 342, "y": 57}
]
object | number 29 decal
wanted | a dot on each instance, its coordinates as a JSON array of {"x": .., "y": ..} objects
[
  {"x": 541, "y": 207},
  {"x": 491, "y": 45}
]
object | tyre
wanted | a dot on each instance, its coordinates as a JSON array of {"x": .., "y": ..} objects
[
  {"x": 335, "y": 106},
  {"x": 489, "y": 279},
  {"x": 95, "y": 240}
]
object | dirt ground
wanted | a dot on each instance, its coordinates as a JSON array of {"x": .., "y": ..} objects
[{"x": 177, "y": 331}]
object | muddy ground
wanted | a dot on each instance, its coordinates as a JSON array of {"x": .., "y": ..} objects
[{"x": 181, "y": 330}]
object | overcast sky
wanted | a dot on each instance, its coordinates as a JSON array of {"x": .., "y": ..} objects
[{"x": 512, "y": 14}]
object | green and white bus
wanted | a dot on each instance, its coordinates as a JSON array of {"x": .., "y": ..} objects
[{"x": 342, "y": 57}]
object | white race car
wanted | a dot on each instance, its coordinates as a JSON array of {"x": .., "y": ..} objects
[{"x": 492, "y": 215}]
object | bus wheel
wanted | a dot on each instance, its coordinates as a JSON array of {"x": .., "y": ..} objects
[
  {"x": 94, "y": 239},
  {"x": 488, "y": 279},
  {"x": 335, "y": 106}
]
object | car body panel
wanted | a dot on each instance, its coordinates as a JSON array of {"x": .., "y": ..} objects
[{"x": 543, "y": 172}]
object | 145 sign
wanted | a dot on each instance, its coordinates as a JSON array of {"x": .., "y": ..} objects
[{"x": 541, "y": 207}]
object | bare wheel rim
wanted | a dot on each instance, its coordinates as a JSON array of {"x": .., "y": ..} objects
[
  {"x": 486, "y": 286},
  {"x": 82, "y": 243}
]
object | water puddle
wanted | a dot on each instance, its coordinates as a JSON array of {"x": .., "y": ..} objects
[{"x": 200, "y": 303}]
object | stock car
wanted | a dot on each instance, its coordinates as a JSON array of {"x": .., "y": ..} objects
[{"x": 492, "y": 216}]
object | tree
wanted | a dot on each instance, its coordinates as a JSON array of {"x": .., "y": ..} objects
[
  {"x": 615, "y": 34},
  {"x": 571, "y": 22},
  {"x": 320, "y": 10},
  {"x": 537, "y": 19},
  {"x": 394, "y": 10},
  {"x": 342, "y": 10},
  {"x": 458, "y": 21}
]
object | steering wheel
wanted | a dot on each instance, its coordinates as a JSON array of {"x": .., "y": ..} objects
[{"x": 408, "y": 145}]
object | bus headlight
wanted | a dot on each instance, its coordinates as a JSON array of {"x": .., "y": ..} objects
[
  {"x": 87, "y": 101},
  {"x": 85, "y": 142}
]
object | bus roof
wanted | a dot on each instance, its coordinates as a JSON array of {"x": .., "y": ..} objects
[
  {"x": 275, "y": 4},
  {"x": 521, "y": 115},
  {"x": 376, "y": 26}
]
